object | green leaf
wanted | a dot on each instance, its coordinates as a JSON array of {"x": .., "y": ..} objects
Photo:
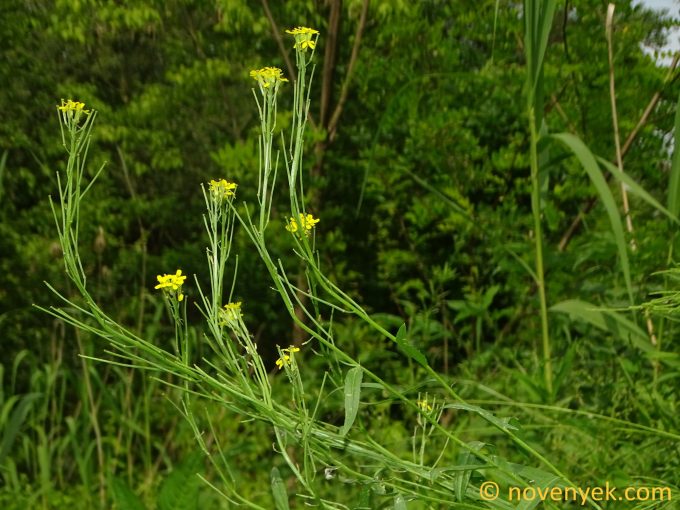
[
  {"x": 123, "y": 496},
  {"x": 179, "y": 490},
  {"x": 408, "y": 348},
  {"x": 279, "y": 490},
  {"x": 399, "y": 502},
  {"x": 352, "y": 394},
  {"x": 606, "y": 320},
  {"x": 462, "y": 478},
  {"x": 591, "y": 167},
  {"x": 541, "y": 484},
  {"x": 636, "y": 189},
  {"x": 674, "y": 181},
  {"x": 13, "y": 424},
  {"x": 538, "y": 17},
  {"x": 501, "y": 423}
]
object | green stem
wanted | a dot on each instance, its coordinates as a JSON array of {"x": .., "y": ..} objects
[{"x": 538, "y": 236}]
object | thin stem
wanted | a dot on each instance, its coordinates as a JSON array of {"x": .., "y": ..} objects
[{"x": 538, "y": 237}]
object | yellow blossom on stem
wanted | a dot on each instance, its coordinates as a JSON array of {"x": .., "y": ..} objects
[
  {"x": 283, "y": 360},
  {"x": 222, "y": 189},
  {"x": 306, "y": 223},
  {"x": 268, "y": 76},
  {"x": 171, "y": 284},
  {"x": 424, "y": 405},
  {"x": 231, "y": 313},
  {"x": 286, "y": 356},
  {"x": 72, "y": 106},
  {"x": 304, "y": 37}
]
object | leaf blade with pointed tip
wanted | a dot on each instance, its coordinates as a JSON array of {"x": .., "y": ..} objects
[
  {"x": 605, "y": 320},
  {"x": 279, "y": 490},
  {"x": 352, "y": 395},
  {"x": 589, "y": 164},
  {"x": 674, "y": 181},
  {"x": 409, "y": 349},
  {"x": 461, "y": 479},
  {"x": 636, "y": 189}
]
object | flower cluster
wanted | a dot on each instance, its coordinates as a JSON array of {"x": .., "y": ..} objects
[
  {"x": 221, "y": 189},
  {"x": 268, "y": 76},
  {"x": 306, "y": 223},
  {"x": 230, "y": 313},
  {"x": 171, "y": 284},
  {"x": 286, "y": 356},
  {"x": 304, "y": 38},
  {"x": 424, "y": 405},
  {"x": 72, "y": 106}
]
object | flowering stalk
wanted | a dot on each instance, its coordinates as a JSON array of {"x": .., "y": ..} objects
[
  {"x": 235, "y": 376},
  {"x": 269, "y": 79},
  {"x": 220, "y": 228},
  {"x": 305, "y": 39},
  {"x": 75, "y": 137}
]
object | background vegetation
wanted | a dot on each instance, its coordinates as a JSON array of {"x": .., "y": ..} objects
[{"x": 419, "y": 166}]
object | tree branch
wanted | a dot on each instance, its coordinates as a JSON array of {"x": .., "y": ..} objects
[
  {"x": 330, "y": 56},
  {"x": 333, "y": 124}
]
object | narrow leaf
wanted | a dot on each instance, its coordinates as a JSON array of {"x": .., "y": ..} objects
[
  {"x": 606, "y": 320},
  {"x": 636, "y": 189},
  {"x": 591, "y": 167},
  {"x": 674, "y": 182},
  {"x": 352, "y": 394},
  {"x": 15, "y": 421},
  {"x": 279, "y": 490},
  {"x": 461, "y": 479},
  {"x": 538, "y": 17},
  {"x": 407, "y": 348},
  {"x": 500, "y": 423}
]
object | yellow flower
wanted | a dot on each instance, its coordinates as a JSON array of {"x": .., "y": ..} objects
[
  {"x": 304, "y": 37},
  {"x": 172, "y": 284},
  {"x": 231, "y": 313},
  {"x": 268, "y": 76},
  {"x": 302, "y": 31},
  {"x": 72, "y": 106},
  {"x": 222, "y": 189},
  {"x": 286, "y": 356},
  {"x": 424, "y": 405},
  {"x": 283, "y": 360},
  {"x": 306, "y": 222}
]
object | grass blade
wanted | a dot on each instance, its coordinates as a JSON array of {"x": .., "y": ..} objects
[
  {"x": 16, "y": 419},
  {"x": 589, "y": 164},
  {"x": 461, "y": 479},
  {"x": 674, "y": 182},
  {"x": 606, "y": 320},
  {"x": 636, "y": 189}
]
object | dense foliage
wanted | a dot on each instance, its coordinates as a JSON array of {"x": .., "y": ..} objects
[{"x": 418, "y": 164}]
